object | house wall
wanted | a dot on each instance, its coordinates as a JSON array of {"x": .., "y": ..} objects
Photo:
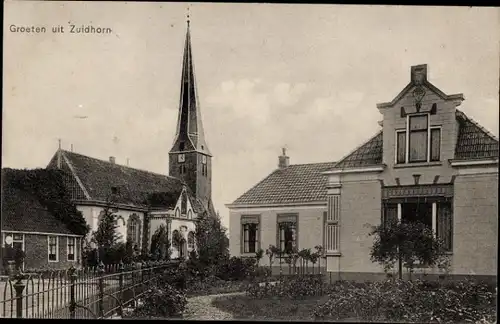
[
  {"x": 309, "y": 229},
  {"x": 36, "y": 252},
  {"x": 475, "y": 236},
  {"x": 91, "y": 215},
  {"x": 392, "y": 121},
  {"x": 360, "y": 208}
]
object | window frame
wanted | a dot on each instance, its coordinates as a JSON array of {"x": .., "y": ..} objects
[
  {"x": 68, "y": 240},
  {"x": 406, "y": 131},
  {"x": 245, "y": 220},
  {"x": 285, "y": 218},
  {"x": 57, "y": 248}
]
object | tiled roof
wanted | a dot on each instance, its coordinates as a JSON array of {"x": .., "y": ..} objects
[
  {"x": 474, "y": 141},
  {"x": 22, "y": 211},
  {"x": 132, "y": 185},
  {"x": 369, "y": 153},
  {"x": 298, "y": 183}
]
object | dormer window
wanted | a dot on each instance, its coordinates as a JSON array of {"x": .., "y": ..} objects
[
  {"x": 114, "y": 190},
  {"x": 422, "y": 144}
]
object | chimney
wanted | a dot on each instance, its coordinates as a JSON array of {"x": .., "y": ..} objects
[
  {"x": 283, "y": 160},
  {"x": 112, "y": 159},
  {"x": 127, "y": 161},
  {"x": 419, "y": 73},
  {"x": 71, "y": 147}
]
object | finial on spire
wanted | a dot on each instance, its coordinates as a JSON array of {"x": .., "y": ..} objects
[
  {"x": 187, "y": 16},
  {"x": 59, "y": 143}
]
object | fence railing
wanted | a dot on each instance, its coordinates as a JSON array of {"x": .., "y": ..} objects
[{"x": 94, "y": 292}]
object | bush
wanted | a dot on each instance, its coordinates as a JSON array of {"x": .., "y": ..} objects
[
  {"x": 162, "y": 301},
  {"x": 237, "y": 268},
  {"x": 294, "y": 287},
  {"x": 414, "y": 301}
]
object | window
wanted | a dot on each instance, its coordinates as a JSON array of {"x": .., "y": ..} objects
[
  {"x": 182, "y": 169},
  {"x": 181, "y": 158},
  {"x": 71, "y": 248},
  {"x": 134, "y": 229},
  {"x": 444, "y": 229},
  {"x": 418, "y": 138},
  {"x": 53, "y": 248},
  {"x": 250, "y": 233},
  {"x": 204, "y": 170},
  {"x": 423, "y": 143},
  {"x": 287, "y": 233},
  {"x": 439, "y": 218},
  {"x": 183, "y": 203},
  {"x": 191, "y": 241}
]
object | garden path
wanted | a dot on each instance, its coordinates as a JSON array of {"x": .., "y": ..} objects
[{"x": 201, "y": 308}]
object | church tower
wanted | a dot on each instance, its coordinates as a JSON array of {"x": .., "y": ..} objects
[{"x": 189, "y": 157}]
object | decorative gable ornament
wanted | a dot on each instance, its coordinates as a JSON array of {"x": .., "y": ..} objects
[{"x": 418, "y": 93}]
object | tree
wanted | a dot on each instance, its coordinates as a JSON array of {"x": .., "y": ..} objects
[
  {"x": 406, "y": 244},
  {"x": 213, "y": 246}
]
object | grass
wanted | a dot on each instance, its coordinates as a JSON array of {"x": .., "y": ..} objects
[{"x": 244, "y": 307}]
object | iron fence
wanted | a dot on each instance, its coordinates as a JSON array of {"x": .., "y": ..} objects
[{"x": 92, "y": 292}]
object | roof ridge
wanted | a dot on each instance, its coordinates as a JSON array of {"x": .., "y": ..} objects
[
  {"x": 122, "y": 166},
  {"x": 312, "y": 163},
  {"x": 487, "y": 132},
  {"x": 358, "y": 147}
]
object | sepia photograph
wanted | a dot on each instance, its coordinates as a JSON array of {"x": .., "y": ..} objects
[{"x": 249, "y": 161}]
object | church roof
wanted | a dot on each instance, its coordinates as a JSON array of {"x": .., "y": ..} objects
[
  {"x": 98, "y": 180},
  {"x": 297, "y": 183},
  {"x": 190, "y": 134},
  {"x": 22, "y": 210},
  {"x": 473, "y": 142}
]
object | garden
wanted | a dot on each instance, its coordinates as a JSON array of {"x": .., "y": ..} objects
[{"x": 212, "y": 286}]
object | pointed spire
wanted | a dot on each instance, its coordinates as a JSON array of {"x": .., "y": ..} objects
[
  {"x": 59, "y": 157},
  {"x": 190, "y": 134}
]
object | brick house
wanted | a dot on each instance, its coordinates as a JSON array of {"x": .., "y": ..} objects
[
  {"x": 28, "y": 225},
  {"x": 430, "y": 162}
]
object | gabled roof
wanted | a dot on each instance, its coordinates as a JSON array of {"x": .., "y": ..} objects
[
  {"x": 100, "y": 180},
  {"x": 473, "y": 142},
  {"x": 22, "y": 210},
  {"x": 297, "y": 183}
]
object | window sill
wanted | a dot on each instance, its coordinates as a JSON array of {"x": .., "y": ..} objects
[
  {"x": 417, "y": 164},
  {"x": 333, "y": 254}
]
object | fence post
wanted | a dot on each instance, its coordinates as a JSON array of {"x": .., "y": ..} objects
[
  {"x": 101, "y": 290},
  {"x": 19, "y": 287},
  {"x": 121, "y": 269},
  {"x": 72, "y": 302}
]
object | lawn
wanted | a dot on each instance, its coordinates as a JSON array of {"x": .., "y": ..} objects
[{"x": 245, "y": 307}]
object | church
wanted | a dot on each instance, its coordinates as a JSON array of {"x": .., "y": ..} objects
[{"x": 141, "y": 200}]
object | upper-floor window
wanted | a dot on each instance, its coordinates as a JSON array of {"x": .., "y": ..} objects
[
  {"x": 184, "y": 204},
  {"x": 181, "y": 158},
  {"x": 423, "y": 143}
]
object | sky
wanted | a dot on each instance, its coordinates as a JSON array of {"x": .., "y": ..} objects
[{"x": 305, "y": 77}]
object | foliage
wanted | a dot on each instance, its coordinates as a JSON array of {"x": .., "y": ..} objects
[
  {"x": 410, "y": 301},
  {"x": 259, "y": 255},
  {"x": 271, "y": 253},
  {"x": 106, "y": 235},
  {"x": 48, "y": 185},
  {"x": 211, "y": 232},
  {"x": 160, "y": 244},
  {"x": 294, "y": 287},
  {"x": 162, "y": 301},
  {"x": 408, "y": 243},
  {"x": 212, "y": 285},
  {"x": 12, "y": 254},
  {"x": 237, "y": 268}
]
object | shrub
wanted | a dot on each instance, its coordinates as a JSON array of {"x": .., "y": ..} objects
[
  {"x": 294, "y": 287},
  {"x": 162, "y": 301},
  {"x": 414, "y": 301},
  {"x": 237, "y": 268}
]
